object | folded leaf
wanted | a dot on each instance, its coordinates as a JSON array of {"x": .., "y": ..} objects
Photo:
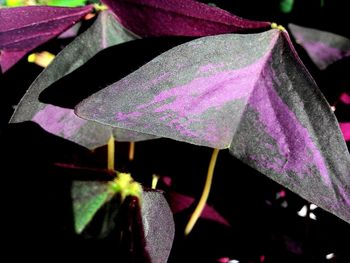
[
  {"x": 105, "y": 32},
  {"x": 324, "y": 48},
  {"x": 248, "y": 93},
  {"x": 25, "y": 28},
  {"x": 178, "y": 18}
]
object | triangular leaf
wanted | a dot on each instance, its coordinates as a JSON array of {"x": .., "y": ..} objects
[
  {"x": 178, "y": 18},
  {"x": 88, "y": 197},
  {"x": 324, "y": 48},
  {"x": 248, "y": 93},
  {"x": 63, "y": 122},
  {"x": 25, "y": 28}
]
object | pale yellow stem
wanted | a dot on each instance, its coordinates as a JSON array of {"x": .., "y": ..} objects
[
  {"x": 131, "y": 151},
  {"x": 201, "y": 204},
  {"x": 155, "y": 179},
  {"x": 111, "y": 152}
]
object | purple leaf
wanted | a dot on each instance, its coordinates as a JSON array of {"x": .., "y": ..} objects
[
  {"x": 105, "y": 32},
  {"x": 25, "y": 28},
  {"x": 179, "y": 202},
  {"x": 249, "y": 93},
  {"x": 345, "y": 128},
  {"x": 324, "y": 48},
  {"x": 10, "y": 58},
  {"x": 178, "y": 18}
]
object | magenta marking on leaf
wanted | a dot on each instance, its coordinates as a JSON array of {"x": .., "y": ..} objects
[
  {"x": 344, "y": 194},
  {"x": 125, "y": 116},
  {"x": 59, "y": 121},
  {"x": 182, "y": 105},
  {"x": 322, "y": 52},
  {"x": 345, "y": 128},
  {"x": 294, "y": 143}
]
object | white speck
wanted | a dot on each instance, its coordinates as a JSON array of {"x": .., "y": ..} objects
[
  {"x": 313, "y": 216},
  {"x": 284, "y": 204},
  {"x": 313, "y": 207},
  {"x": 330, "y": 256},
  {"x": 333, "y": 108},
  {"x": 233, "y": 261},
  {"x": 303, "y": 211}
]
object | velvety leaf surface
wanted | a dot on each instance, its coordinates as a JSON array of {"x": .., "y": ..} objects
[
  {"x": 24, "y": 28},
  {"x": 105, "y": 32},
  {"x": 248, "y": 93},
  {"x": 178, "y": 17},
  {"x": 98, "y": 73},
  {"x": 324, "y": 48},
  {"x": 159, "y": 227}
]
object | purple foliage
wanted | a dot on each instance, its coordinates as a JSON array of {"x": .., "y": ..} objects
[
  {"x": 33, "y": 26},
  {"x": 174, "y": 17}
]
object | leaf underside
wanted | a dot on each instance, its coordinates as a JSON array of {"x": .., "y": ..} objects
[{"x": 60, "y": 121}]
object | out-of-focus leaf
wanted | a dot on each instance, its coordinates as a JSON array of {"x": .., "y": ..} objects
[
  {"x": 324, "y": 48},
  {"x": 63, "y": 122},
  {"x": 25, "y": 28},
  {"x": 178, "y": 17},
  {"x": 66, "y": 3},
  {"x": 286, "y": 6},
  {"x": 345, "y": 98},
  {"x": 70, "y": 3},
  {"x": 345, "y": 128},
  {"x": 179, "y": 202},
  {"x": 249, "y": 93},
  {"x": 14, "y": 3}
]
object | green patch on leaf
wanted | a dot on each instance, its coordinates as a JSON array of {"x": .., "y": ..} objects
[
  {"x": 67, "y": 3},
  {"x": 89, "y": 197}
]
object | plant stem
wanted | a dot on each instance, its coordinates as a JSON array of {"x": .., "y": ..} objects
[
  {"x": 155, "y": 179},
  {"x": 111, "y": 152},
  {"x": 131, "y": 151},
  {"x": 202, "y": 201}
]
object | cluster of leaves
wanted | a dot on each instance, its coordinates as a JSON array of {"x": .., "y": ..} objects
[{"x": 203, "y": 76}]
